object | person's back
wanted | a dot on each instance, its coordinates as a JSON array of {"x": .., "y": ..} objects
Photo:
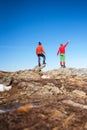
[
  {"x": 40, "y": 53},
  {"x": 39, "y": 49},
  {"x": 62, "y": 49}
]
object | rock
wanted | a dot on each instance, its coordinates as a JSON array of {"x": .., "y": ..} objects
[
  {"x": 52, "y": 100},
  {"x": 27, "y": 75},
  {"x": 85, "y": 126},
  {"x": 56, "y": 128},
  {"x": 42, "y": 116},
  {"x": 68, "y": 121},
  {"x": 56, "y": 114},
  {"x": 73, "y": 104},
  {"x": 7, "y": 80},
  {"x": 79, "y": 93}
]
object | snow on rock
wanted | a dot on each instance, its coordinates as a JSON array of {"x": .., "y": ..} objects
[{"x": 4, "y": 88}]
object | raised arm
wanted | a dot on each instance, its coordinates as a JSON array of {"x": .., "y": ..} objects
[{"x": 66, "y": 43}]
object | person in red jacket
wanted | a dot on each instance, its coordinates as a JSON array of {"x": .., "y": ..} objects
[
  {"x": 40, "y": 53},
  {"x": 61, "y": 51}
]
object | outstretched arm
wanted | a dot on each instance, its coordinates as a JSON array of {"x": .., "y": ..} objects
[{"x": 66, "y": 43}]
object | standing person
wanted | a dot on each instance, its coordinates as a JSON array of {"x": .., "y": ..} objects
[
  {"x": 61, "y": 51},
  {"x": 40, "y": 53}
]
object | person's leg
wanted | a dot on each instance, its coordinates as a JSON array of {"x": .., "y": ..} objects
[
  {"x": 39, "y": 60},
  {"x": 44, "y": 58},
  {"x": 61, "y": 59},
  {"x": 64, "y": 60}
]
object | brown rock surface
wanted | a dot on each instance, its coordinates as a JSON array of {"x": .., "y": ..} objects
[{"x": 52, "y": 100}]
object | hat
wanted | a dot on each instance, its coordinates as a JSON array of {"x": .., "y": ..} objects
[{"x": 39, "y": 43}]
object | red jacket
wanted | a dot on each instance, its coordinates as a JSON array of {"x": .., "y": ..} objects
[
  {"x": 39, "y": 49},
  {"x": 61, "y": 49}
]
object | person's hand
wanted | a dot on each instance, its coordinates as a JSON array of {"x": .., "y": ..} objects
[
  {"x": 44, "y": 53},
  {"x": 69, "y": 41}
]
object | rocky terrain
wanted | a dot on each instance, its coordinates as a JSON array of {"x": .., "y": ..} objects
[{"x": 52, "y": 100}]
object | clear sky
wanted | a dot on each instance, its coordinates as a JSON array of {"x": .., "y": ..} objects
[{"x": 23, "y": 23}]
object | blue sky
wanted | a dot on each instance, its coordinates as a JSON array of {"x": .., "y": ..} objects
[{"x": 23, "y": 23}]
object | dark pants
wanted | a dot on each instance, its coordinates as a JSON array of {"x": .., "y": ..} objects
[{"x": 39, "y": 59}]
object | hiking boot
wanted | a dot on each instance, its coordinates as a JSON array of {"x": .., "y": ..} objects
[
  {"x": 64, "y": 66},
  {"x": 39, "y": 64},
  {"x": 61, "y": 65},
  {"x": 44, "y": 63}
]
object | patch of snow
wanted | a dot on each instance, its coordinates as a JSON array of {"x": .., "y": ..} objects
[
  {"x": 4, "y": 88},
  {"x": 45, "y": 77}
]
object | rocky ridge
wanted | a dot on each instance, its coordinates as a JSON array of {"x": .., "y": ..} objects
[{"x": 52, "y": 100}]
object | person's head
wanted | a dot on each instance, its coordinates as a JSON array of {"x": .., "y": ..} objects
[
  {"x": 39, "y": 43},
  {"x": 61, "y": 44}
]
